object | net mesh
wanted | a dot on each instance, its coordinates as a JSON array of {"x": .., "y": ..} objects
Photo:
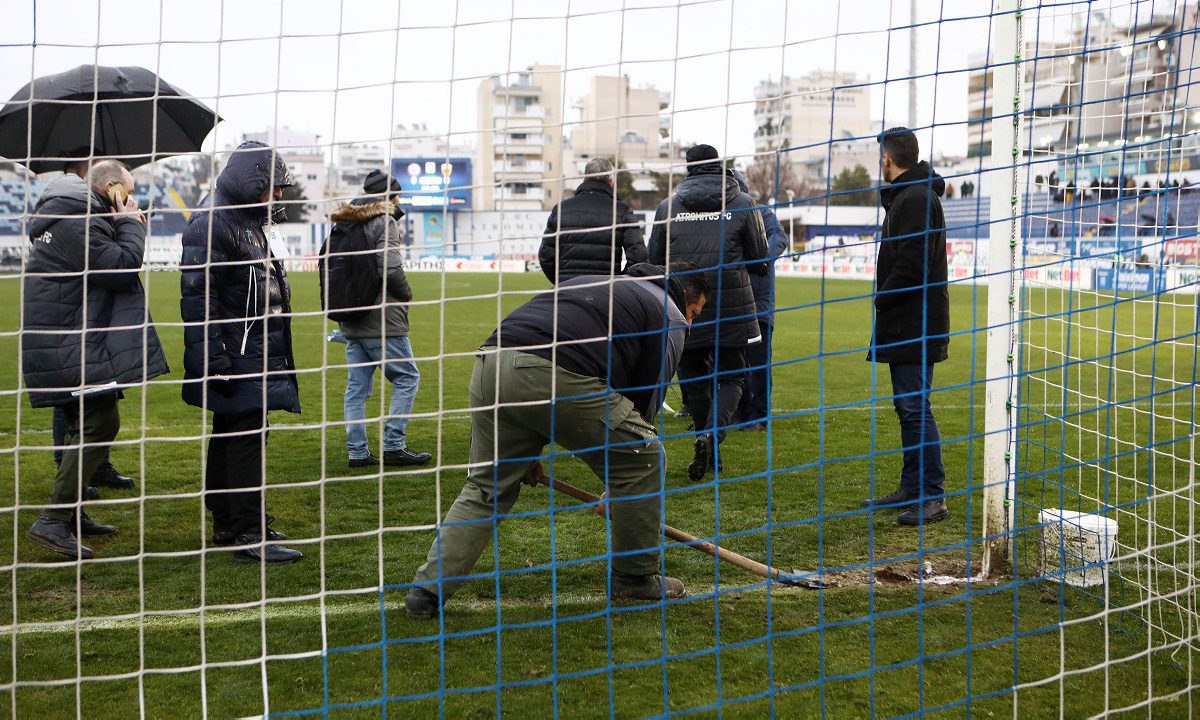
[{"x": 1063, "y": 582}]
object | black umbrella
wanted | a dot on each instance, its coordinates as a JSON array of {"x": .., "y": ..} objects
[{"x": 138, "y": 117}]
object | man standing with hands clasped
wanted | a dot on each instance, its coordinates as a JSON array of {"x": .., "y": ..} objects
[{"x": 912, "y": 320}]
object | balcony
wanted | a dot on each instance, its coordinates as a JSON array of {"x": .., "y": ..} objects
[
  {"x": 529, "y": 111},
  {"x": 520, "y": 88},
  {"x": 533, "y": 195},
  {"x": 508, "y": 145},
  {"x": 534, "y": 166}
]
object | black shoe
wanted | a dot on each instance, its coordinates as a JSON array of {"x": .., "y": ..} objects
[
  {"x": 107, "y": 476},
  {"x": 255, "y": 550},
  {"x": 369, "y": 461},
  {"x": 90, "y": 527},
  {"x": 894, "y": 501},
  {"x": 90, "y": 493},
  {"x": 227, "y": 537},
  {"x": 646, "y": 587},
  {"x": 684, "y": 413},
  {"x": 56, "y": 535},
  {"x": 421, "y": 604},
  {"x": 929, "y": 512},
  {"x": 404, "y": 456},
  {"x": 701, "y": 459}
]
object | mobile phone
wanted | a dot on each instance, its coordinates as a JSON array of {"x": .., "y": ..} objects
[{"x": 116, "y": 195}]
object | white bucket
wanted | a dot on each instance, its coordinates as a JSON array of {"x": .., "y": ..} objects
[{"x": 1076, "y": 547}]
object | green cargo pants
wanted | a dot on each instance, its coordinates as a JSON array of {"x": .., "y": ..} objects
[
  {"x": 513, "y": 418},
  {"x": 87, "y": 442}
]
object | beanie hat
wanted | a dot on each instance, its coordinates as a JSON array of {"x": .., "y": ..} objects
[
  {"x": 701, "y": 154},
  {"x": 379, "y": 182}
]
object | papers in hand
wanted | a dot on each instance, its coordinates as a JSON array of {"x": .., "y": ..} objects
[{"x": 95, "y": 389}]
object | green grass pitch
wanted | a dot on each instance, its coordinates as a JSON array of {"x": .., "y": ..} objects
[{"x": 155, "y": 627}]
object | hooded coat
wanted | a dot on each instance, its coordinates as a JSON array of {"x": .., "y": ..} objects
[
  {"x": 587, "y": 234},
  {"x": 236, "y": 302},
  {"x": 379, "y": 219},
  {"x": 85, "y": 322},
  {"x": 777, "y": 246},
  {"x": 709, "y": 221},
  {"x": 912, "y": 300}
]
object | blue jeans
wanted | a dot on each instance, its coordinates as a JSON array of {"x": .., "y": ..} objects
[
  {"x": 363, "y": 356},
  {"x": 911, "y": 385}
]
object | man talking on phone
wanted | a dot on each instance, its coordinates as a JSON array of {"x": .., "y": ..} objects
[{"x": 86, "y": 333}]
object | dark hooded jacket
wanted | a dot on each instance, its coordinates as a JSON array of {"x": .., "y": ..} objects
[
  {"x": 236, "y": 303},
  {"x": 635, "y": 348},
  {"x": 380, "y": 219},
  {"x": 586, "y": 235},
  {"x": 777, "y": 245},
  {"x": 912, "y": 301},
  {"x": 709, "y": 221},
  {"x": 85, "y": 326}
]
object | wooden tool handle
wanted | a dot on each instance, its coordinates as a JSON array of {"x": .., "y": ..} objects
[{"x": 675, "y": 534}]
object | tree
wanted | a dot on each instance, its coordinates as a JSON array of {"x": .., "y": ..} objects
[
  {"x": 849, "y": 180},
  {"x": 665, "y": 183},
  {"x": 768, "y": 178},
  {"x": 625, "y": 191},
  {"x": 294, "y": 200}
]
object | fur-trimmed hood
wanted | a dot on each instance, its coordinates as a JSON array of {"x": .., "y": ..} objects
[{"x": 360, "y": 212}]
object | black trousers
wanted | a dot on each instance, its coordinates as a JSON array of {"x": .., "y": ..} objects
[
  {"x": 756, "y": 397},
  {"x": 235, "y": 461},
  {"x": 696, "y": 383}
]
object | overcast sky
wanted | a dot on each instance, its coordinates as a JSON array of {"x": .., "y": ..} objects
[{"x": 352, "y": 69}]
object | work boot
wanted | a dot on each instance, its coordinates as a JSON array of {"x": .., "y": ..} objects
[
  {"x": 646, "y": 587},
  {"x": 701, "y": 459},
  {"x": 893, "y": 501},
  {"x": 56, "y": 535},
  {"x": 107, "y": 476},
  {"x": 404, "y": 456},
  {"x": 928, "y": 512},
  {"x": 421, "y": 604},
  {"x": 90, "y": 527},
  {"x": 253, "y": 550},
  {"x": 369, "y": 461}
]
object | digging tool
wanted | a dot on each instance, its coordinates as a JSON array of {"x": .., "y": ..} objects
[{"x": 796, "y": 578}]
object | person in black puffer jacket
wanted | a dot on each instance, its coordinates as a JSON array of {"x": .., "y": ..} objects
[
  {"x": 86, "y": 331},
  {"x": 586, "y": 234},
  {"x": 238, "y": 363},
  {"x": 709, "y": 221},
  {"x": 912, "y": 320}
]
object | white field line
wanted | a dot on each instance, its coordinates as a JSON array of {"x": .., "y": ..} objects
[
  {"x": 460, "y": 416},
  {"x": 283, "y": 610}
]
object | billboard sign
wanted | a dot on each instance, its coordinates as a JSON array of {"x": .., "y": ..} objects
[
  {"x": 433, "y": 184},
  {"x": 1139, "y": 280}
]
